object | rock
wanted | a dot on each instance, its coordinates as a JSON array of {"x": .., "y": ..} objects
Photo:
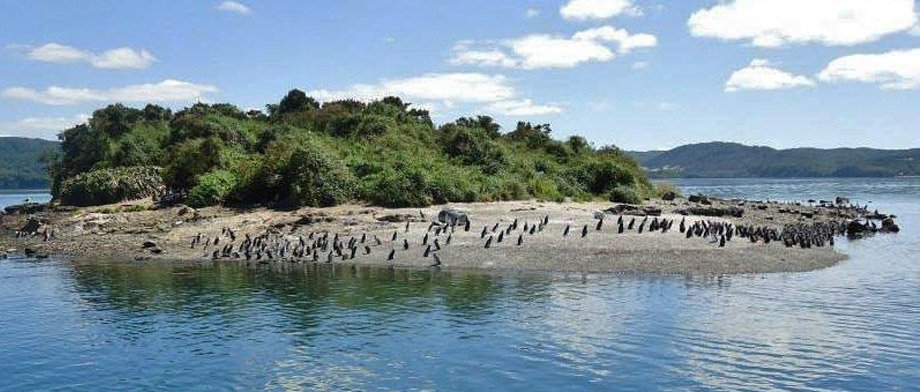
[
  {"x": 840, "y": 200},
  {"x": 25, "y": 208},
  {"x": 769, "y": 217},
  {"x": 650, "y": 210},
  {"x": 185, "y": 210},
  {"x": 32, "y": 226},
  {"x": 149, "y": 244},
  {"x": 807, "y": 214},
  {"x": 310, "y": 219},
  {"x": 856, "y": 229},
  {"x": 395, "y": 218},
  {"x": 29, "y": 252},
  {"x": 621, "y": 208},
  {"x": 888, "y": 225},
  {"x": 736, "y": 212},
  {"x": 669, "y": 196},
  {"x": 699, "y": 198},
  {"x": 452, "y": 216},
  {"x": 156, "y": 250}
]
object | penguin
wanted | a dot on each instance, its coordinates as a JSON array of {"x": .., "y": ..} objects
[
  {"x": 437, "y": 245},
  {"x": 425, "y": 239},
  {"x": 565, "y": 233},
  {"x": 483, "y": 234},
  {"x": 466, "y": 226},
  {"x": 620, "y": 227},
  {"x": 632, "y": 223},
  {"x": 391, "y": 239},
  {"x": 367, "y": 250},
  {"x": 600, "y": 223},
  {"x": 427, "y": 251},
  {"x": 437, "y": 261},
  {"x": 584, "y": 231},
  {"x": 447, "y": 241},
  {"x": 407, "y": 226},
  {"x": 405, "y": 244},
  {"x": 392, "y": 255},
  {"x": 489, "y": 242},
  {"x": 722, "y": 241},
  {"x": 520, "y": 239},
  {"x": 501, "y": 236}
]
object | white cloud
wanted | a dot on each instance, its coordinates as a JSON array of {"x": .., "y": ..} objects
[
  {"x": 41, "y": 127},
  {"x": 774, "y": 23},
  {"x": 894, "y": 70},
  {"x": 639, "y": 65},
  {"x": 532, "y": 13},
  {"x": 760, "y": 75},
  {"x": 666, "y": 106},
  {"x": 166, "y": 91},
  {"x": 458, "y": 87},
  {"x": 537, "y": 51},
  {"x": 625, "y": 41},
  {"x": 234, "y": 7},
  {"x": 444, "y": 90},
  {"x": 523, "y": 107},
  {"x": 110, "y": 59},
  {"x": 597, "y": 9}
]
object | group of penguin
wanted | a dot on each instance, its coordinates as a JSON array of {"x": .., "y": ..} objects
[{"x": 325, "y": 247}]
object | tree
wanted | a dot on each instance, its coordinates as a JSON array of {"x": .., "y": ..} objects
[{"x": 296, "y": 101}]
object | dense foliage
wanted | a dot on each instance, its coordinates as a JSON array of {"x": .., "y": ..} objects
[
  {"x": 110, "y": 185},
  {"x": 736, "y": 160},
  {"x": 307, "y": 153},
  {"x": 21, "y": 162}
]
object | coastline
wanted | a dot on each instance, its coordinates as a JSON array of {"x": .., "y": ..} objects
[{"x": 120, "y": 231}]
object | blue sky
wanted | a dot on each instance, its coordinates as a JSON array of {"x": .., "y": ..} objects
[{"x": 635, "y": 73}]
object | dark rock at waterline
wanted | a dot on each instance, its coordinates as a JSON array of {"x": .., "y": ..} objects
[
  {"x": 149, "y": 244},
  {"x": 840, "y": 200},
  {"x": 888, "y": 225},
  {"x": 857, "y": 229},
  {"x": 699, "y": 198},
  {"x": 26, "y": 208}
]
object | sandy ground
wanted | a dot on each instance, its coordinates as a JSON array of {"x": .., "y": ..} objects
[{"x": 113, "y": 231}]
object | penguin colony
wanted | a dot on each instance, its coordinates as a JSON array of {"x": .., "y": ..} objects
[{"x": 326, "y": 247}]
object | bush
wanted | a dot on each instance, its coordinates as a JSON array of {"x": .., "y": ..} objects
[
  {"x": 298, "y": 171},
  {"x": 213, "y": 188},
  {"x": 625, "y": 194},
  {"x": 106, "y": 186},
  {"x": 667, "y": 191},
  {"x": 397, "y": 188}
]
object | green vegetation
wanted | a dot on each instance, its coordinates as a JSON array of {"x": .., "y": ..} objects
[
  {"x": 110, "y": 185},
  {"x": 21, "y": 162},
  {"x": 306, "y": 153},
  {"x": 736, "y": 160}
]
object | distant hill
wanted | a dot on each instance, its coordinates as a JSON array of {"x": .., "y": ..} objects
[
  {"x": 719, "y": 159},
  {"x": 19, "y": 162}
]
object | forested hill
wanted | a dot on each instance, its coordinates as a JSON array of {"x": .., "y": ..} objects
[
  {"x": 719, "y": 159},
  {"x": 19, "y": 162}
]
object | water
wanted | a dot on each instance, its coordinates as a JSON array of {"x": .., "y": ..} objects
[
  {"x": 10, "y": 197},
  {"x": 127, "y": 326}
]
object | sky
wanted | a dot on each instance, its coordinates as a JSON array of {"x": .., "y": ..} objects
[{"x": 638, "y": 74}]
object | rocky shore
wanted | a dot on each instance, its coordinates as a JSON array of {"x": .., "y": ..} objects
[{"x": 682, "y": 235}]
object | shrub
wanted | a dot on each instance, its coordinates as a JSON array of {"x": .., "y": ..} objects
[
  {"x": 625, "y": 194},
  {"x": 298, "y": 171},
  {"x": 397, "y": 188},
  {"x": 667, "y": 191},
  {"x": 213, "y": 188},
  {"x": 106, "y": 186}
]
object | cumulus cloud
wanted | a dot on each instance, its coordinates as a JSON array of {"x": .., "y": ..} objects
[
  {"x": 597, "y": 9},
  {"x": 532, "y": 13},
  {"x": 761, "y": 75},
  {"x": 775, "y": 23},
  {"x": 537, "y": 51},
  {"x": 234, "y": 7},
  {"x": 110, "y": 59},
  {"x": 41, "y": 127},
  {"x": 894, "y": 70},
  {"x": 444, "y": 90},
  {"x": 166, "y": 91}
]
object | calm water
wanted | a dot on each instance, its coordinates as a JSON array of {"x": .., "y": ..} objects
[{"x": 118, "y": 326}]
